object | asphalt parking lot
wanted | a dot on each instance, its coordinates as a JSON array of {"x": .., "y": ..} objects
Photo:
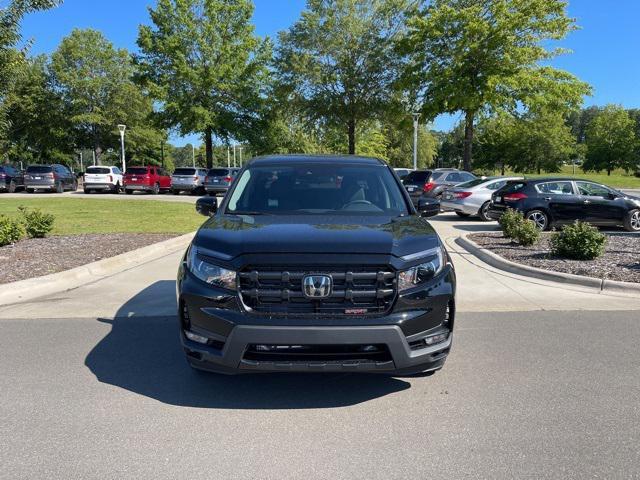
[{"x": 542, "y": 382}]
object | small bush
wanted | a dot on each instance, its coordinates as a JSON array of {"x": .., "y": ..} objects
[
  {"x": 579, "y": 241},
  {"x": 36, "y": 223},
  {"x": 526, "y": 233},
  {"x": 11, "y": 231},
  {"x": 510, "y": 221}
]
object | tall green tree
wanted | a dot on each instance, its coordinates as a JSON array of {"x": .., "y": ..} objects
[
  {"x": 206, "y": 67},
  {"x": 39, "y": 129},
  {"x": 96, "y": 83},
  {"x": 611, "y": 141},
  {"x": 472, "y": 56},
  {"x": 339, "y": 63},
  {"x": 12, "y": 58}
]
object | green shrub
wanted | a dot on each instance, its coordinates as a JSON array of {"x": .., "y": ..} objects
[
  {"x": 579, "y": 241},
  {"x": 36, "y": 223},
  {"x": 510, "y": 221},
  {"x": 11, "y": 231},
  {"x": 526, "y": 233}
]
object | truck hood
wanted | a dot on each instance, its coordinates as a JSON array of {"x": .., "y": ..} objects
[{"x": 227, "y": 236}]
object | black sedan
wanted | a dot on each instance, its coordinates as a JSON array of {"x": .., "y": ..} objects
[{"x": 558, "y": 201}]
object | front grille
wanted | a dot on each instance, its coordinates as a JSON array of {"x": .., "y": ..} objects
[
  {"x": 355, "y": 291},
  {"x": 317, "y": 353}
]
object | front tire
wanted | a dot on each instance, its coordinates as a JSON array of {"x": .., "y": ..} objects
[
  {"x": 483, "y": 213},
  {"x": 632, "y": 221},
  {"x": 462, "y": 214},
  {"x": 539, "y": 218},
  {"x": 156, "y": 189}
]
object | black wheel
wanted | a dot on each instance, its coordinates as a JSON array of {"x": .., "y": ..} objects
[
  {"x": 74, "y": 186},
  {"x": 12, "y": 186},
  {"x": 30, "y": 190},
  {"x": 462, "y": 214},
  {"x": 175, "y": 192},
  {"x": 632, "y": 221},
  {"x": 86, "y": 191},
  {"x": 483, "y": 213},
  {"x": 59, "y": 188},
  {"x": 156, "y": 189},
  {"x": 128, "y": 192},
  {"x": 539, "y": 218},
  {"x": 118, "y": 188}
]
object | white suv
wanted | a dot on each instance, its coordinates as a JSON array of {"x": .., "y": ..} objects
[{"x": 100, "y": 179}]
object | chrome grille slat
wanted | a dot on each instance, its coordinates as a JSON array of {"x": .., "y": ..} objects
[{"x": 369, "y": 290}]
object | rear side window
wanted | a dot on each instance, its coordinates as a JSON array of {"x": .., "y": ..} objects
[
  {"x": 184, "y": 171},
  {"x": 39, "y": 169},
  {"x": 99, "y": 170},
  {"x": 512, "y": 187},
  {"x": 218, "y": 172},
  {"x": 555, "y": 188},
  {"x": 418, "y": 177}
]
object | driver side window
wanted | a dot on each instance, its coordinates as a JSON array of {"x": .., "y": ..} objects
[{"x": 592, "y": 189}]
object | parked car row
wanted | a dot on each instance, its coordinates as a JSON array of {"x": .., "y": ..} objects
[{"x": 150, "y": 179}]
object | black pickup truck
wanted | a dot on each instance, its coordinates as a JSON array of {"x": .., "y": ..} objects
[{"x": 316, "y": 264}]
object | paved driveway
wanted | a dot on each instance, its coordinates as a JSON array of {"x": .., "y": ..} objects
[{"x": 542, "y": 382}]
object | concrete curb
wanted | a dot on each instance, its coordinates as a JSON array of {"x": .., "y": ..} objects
[
  {"x": 32, "y": 288},
  {"x": 487, "y": 256}
]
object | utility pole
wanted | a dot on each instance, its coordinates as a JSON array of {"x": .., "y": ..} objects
[
  {"x": 122, "y": 128},
  {"x": 81, "y": 167},
  {"x": 228, "y": 157},
  {"x": 94, "y": 157},
  {"x": 193, "y": 154},
  {"x": 240, "y": 147},
  {"x": 234, "y": 155},
  {"x": 416, "y": 117}
]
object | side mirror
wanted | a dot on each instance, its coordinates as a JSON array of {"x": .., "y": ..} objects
[
  {"x": 428, "y": 207},
  {"x": 207, "y": 206}
]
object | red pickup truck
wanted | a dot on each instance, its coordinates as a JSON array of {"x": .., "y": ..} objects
[{"x": 146, "y": 179}]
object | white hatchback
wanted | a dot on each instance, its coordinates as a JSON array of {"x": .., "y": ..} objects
[{"x": 103, "y": 179}]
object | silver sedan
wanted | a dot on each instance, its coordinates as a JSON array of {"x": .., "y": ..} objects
[{"x": 473, "y": 197}]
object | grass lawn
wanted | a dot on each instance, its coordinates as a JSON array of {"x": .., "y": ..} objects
[
  {"x": 83, "y": 215},
  {"x": 618, "y": 178}
]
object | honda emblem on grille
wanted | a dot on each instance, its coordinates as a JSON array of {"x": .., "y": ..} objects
[{"x": 316, "y": 286}]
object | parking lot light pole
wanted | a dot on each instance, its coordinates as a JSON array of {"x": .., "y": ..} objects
[
  {"x": 122, "y": 128},
  {"x": 193, "y": 154},
  {"x": 416, "y": 117},
  {"x": 228, "y": 157}
]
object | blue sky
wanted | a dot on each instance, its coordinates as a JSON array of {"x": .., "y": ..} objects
[{"x": 605, "y": 49}]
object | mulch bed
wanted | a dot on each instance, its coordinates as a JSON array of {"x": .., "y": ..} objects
[
  {"x": 621, "y": 260},
  {"x": 35, "y": 257}
]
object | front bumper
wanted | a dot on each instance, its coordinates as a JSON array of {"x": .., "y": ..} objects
[
  {"x": 99, "y": 186},
  {"x": 219, "y": 316},
  {"x": 185, "y": 187},
  {"x": 216, "y": 188},
  {"x": 459, "y": 207},
  {"x": 139, "y": 188}
]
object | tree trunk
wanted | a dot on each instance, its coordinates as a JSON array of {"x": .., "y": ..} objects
[
  {"x": 352, "y": 137},
  {"x": 468, "y": 140},
  {"x": 208, "y": 141},
  {"x": 502, "y": 169}
]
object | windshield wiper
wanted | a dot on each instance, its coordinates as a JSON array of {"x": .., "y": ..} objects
[{"x": 250, "y": 213}]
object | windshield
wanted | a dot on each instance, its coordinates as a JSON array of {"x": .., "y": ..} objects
[
  {"x": 418, "y": 177},
  {"x": 137, "y": 171},
  {"x": 218, "y": 172},
  {"x": 99, "y": 170},
  {"x": 39, "y": 169},
  {"x": 317, "y": 189},
  {"x": 473, "y": 183},
  {"x": 185, "y": 171}
]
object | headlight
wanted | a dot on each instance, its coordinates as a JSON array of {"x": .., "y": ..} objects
[
  {"x": 209, "y": 273},
  {"x": 423, "y": 272}
]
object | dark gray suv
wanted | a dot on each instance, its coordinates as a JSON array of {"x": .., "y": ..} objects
[
  {"x": 443, "y": 178},
  {"x": 54, "y": 178}
]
